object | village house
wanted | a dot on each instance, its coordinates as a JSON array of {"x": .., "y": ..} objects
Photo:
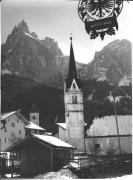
[
  {"x": 41, "y": 153},
  {"x": 14, "y": 127}
]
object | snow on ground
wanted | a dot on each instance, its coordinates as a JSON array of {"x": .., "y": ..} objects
[
  {"x": 61, "y": 174},
  {"x": 126, "y": 177}
]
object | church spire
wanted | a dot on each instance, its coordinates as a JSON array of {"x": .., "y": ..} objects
[
  {"x": 72, "y": 74},
  {"x": 72, "y": 67}
]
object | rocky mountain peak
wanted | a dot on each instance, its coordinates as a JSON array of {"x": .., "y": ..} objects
[
  {"x": 112, "y": 63},
  {"x": 26, "y": 55},
  {"x": 23, "y": 26}
]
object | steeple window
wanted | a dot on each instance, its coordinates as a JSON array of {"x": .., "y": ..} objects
[
  {"x": 74, "y": 100},
  {"x": 33, "y": 117},
  {"x": 74, "y": 86}
]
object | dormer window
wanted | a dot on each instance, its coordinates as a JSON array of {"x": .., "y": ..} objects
[{"x": 74, "y": 99}]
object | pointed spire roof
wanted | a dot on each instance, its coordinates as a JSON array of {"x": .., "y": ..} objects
[
  {"x": 72, "y": 74},
  {"x": 34, "y": 108},
  {"x": 72, "y": 66}
]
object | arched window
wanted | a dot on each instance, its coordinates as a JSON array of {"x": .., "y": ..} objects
[{"x": 74, "y": 99}]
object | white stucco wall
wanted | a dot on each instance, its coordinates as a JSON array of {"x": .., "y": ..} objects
[
  {"x": 106, "y": 130},
  {"x": 107, "y": 142},
  {"x": 62, "y": 134},
  {"x": 17, "y": 131},
  {"x": 74, "y": 117}
]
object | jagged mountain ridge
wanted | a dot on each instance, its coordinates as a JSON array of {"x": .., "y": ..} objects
[
  {"x": 112, "y": 63},
  {"x": 24, "y": 54}
]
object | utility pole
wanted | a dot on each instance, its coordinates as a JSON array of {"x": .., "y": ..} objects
[{"x": 118, "y": 135}]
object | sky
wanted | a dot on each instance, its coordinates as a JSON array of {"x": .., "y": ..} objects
[{"x": 57, "y": 19}]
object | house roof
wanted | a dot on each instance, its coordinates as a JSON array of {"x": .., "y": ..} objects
[
  {"x": 6, "y": 115},
  {"x": 28, "y": 124},
  {"x": 18, "y": 113},
  {"x": 63, "y": 125},
  {"x": 45, "y": 140},
  {"x": 32, "y": 125},
  {"x": 53, "y": 141},
  {"x": 34, "y": 108},
  {"x": 106, "y": 126}
]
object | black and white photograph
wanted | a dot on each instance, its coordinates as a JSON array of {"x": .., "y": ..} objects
[{"x": 66, "y": 89}]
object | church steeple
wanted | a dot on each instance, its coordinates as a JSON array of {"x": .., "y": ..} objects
[
  {"x": 34, "y": 114},
  {"x": 72, "y": 74},
  {"x": 73, "y": 99},
  {"x": 72, "y": 66}
]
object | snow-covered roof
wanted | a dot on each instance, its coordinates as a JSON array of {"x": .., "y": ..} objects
[
  {"x": 53, "y": 141},
  {"x": 6, "y": 115},
  {"x": 43, "y": 139},
  {"x": 106, "y": 126},
  {"x": 17, "y": 113},
  {"x": 63, "y": 125},
  {"x": 32, "y": 125}
]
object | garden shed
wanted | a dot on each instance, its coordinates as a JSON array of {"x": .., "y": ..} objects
[{"x": 40, "y": 153}]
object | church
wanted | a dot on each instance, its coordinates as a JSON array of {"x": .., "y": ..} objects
[
  {"x": 72, "y": 131},
  {"x": 102, "y": 136}
]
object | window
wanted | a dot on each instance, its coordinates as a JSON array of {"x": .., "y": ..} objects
[
  {"x": 19, "y": 132},
  {"x": 74, "y": 86},
  {"x": 35, "y": 131},
  {"x": 12, "y": 124},
  {"x": 74, "y": 99},
  {"x": 5, "y": 140},
  {"x": 12, "y": 134},
  {"x": 17, "y": 120},
  {"x": 5, "y": 129}
]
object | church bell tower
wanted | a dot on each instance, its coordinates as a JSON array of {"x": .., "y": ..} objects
[
  {"x": 74, "y": 115},
  {"x": 34, "y": 114}
]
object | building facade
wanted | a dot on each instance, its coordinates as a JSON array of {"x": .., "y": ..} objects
[{"x": 14, "y": 127}]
